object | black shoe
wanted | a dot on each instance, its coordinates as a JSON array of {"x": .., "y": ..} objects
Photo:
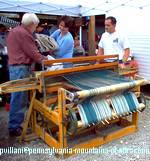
[{"x": 15, "y": 132}]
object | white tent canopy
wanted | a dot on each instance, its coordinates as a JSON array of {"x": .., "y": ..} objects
[{"x": 73, "y": 8}]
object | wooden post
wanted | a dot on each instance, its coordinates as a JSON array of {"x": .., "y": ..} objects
[
  {"x": 27, "y": 118},
  {"x": 62, "y": 111},
  {"x": 135, "y": 117},
  {"x": 91, "y": 36}
]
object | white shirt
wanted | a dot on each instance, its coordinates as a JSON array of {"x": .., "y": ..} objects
[{"x": 114, "y": 43}]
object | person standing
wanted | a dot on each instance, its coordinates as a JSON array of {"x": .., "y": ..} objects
[
  {"x": 113, "y": 42},
  {"x": 78, "y": 49},
  {"x": 64, "y": 39},
  {"x": 22, "y": 52},
  {"x": 42, "y": 29}
]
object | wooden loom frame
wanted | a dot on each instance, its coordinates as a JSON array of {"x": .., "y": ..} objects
[
  {"x": 59, "y": 115},
  {"x": 128, "y": 127}
]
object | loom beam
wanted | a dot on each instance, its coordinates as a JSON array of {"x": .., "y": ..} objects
[{"x": 106, "y": 89}]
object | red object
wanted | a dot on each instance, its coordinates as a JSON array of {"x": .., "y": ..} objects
[
  {"x": 7, "y": 106},
  {"x": 134, "y": 64}
]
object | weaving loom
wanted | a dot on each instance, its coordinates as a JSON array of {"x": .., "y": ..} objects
[{"x": 80, "y": 100}]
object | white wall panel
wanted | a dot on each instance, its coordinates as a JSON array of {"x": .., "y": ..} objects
[{"x": 140, "y": 47}]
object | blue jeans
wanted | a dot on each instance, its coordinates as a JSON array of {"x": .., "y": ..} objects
[{"x": 19, "y": 100}]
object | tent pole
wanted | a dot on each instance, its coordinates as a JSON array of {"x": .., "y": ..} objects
[
  {"x": 80, "y": 33},
  {"x": 91, "y": 35}
]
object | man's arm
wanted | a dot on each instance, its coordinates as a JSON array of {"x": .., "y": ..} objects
[
  {"x": 100, "y": 51},
  {"x": 126, "y": 55},
  {"x": 31, "y": 50},
  {"x": 125, "y": 58}
]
